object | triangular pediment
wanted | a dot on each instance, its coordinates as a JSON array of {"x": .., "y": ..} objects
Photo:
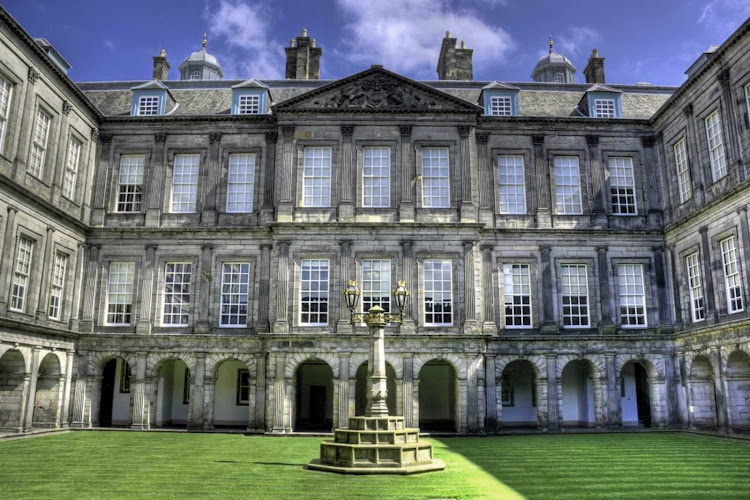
[{"x": 376, "y": 90}]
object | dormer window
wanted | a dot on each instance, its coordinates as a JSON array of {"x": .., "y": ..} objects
[
  {"x": 150, "y": 99},
  {"x": 604, "y": 108},
  {"x": 601, "y": 101},
  {"x": 195, "y": 75},
  {"x": 501, "y": 106},
  {"x": 250, "y": 97},
  {"x": 248, "y": 104},
  {"x": 499, "y": 99},
  {"x": 148, "y": 105}
]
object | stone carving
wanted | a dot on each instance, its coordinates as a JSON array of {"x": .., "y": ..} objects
[
  {"x": 214, "y": 137},
  {"x": 33, "y": 75},
  {"x": 67, "y": 108}
]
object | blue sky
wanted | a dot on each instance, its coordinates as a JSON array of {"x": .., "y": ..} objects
[{"x": 652, "y": 40}]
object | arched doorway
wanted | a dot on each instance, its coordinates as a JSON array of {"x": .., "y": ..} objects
[
  {"x": 234, "y": 395},
  {"x": 438, "y": 397},
  {"x": 635, "y": 395},
  {"x": 738, "y": 387},
  {"x": 360, "y": 389},
  {"x": 173, "y": 394},
  {"x": 702, "y": 394},
  {"x": 47, "y": 394},
  {"x": 114, "y": 399},
  {"x": 314, "y": 397},
  {"x": 519, "y": 394},
  {"x": 578, "y": 394},
  {"x": 12, "y": 373}
]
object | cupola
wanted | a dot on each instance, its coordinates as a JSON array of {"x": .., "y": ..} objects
[
  {"x": 553, "y": 67},
  {"x": 200, "y": 65}
]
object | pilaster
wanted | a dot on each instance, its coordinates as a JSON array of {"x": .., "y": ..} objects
[
  {"x": 75, "y": 312},
  {"x": 262, "y": 324},
  {"x": 696, "y": 171},
  {"x": 347, "y": 273},
  {"x": 24, "y": 138},
  {"x": 285, "y": 211},
  {"x": 489, "y": 325},
  {"x": 711, "y": 310},
  {"x": 471, "y": 323},
  {"x": 281, "y": 322},
  {"x": 346, "y": 207},
  {"x": 406, "y": 208},
  {"x": 140, "y": 416},
  {"x": 62, "y": 152},
  {"x": 156, "y": 189},
  {"x": 409, "y": 276},
  {"x": 468, "y": 208},
  {"x": 408, "y": 390},
  {"x": 41, "y": 303},
  {"x": 203, "y": 324},
  {"x": 212, "y": 177},
  {"x": 144, "y": 325},
  {"x": 89, "y": 292},
  {"x": 7, "y": 257},
  {"x": 269, "y": 178},
  {"x": 599, "y": 214},
  {"x": 606, "y": 325},
  {"x": 543, "y": 195},
  {"x": 102, "y": 180},
  {"x": 548, "y": 321},
  {"x": 486, "y": 180}
]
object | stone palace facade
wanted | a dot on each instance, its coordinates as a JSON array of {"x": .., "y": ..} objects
[{"x": 174, "y": 251}]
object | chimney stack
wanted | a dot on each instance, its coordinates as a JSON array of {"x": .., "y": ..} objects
[
  {"x": 454, "y": 63},
  {"x": 161, "y": 66},
  {"x": 594, "y": 70},
  {"x": 303, "y": 58}
]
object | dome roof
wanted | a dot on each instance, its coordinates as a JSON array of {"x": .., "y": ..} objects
[
  {"x": 202, "y": 57},
  {"x": 553, "y": 58}
]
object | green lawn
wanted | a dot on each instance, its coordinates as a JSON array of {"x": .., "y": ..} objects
[{"x": 131, "y": 464}]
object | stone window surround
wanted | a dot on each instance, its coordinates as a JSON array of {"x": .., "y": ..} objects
[
  {"x": 396, "y": 270},
  {"x": 298, "y": 177},
  {"x": 115, "y": 180},
  {"x": 169, "y": 175},
  {"x": 682, "y": 278},
  {"x": 50, "y": 154},
  {"x": 702, "y": 144},
  {"x": 640, "y": 178},
  {"x": 671, "y": 165},
  {"x": 78, "y": 188},
  {"x": 222, "y": 188},
  {"x": 454, "y": 177},
  {"x": 66, "y": 302},
  {"x": 397, "y": 170},
  {"x": 531, "y": 195},
  {"x": 594, "y": 295},
  {"x": 648, "y": 288},
  {"x": 532, "y": 259},
  {"x": 101, "y": 302},
  {"x": 214, "y": 298},
  {"x": 37, "y": 259},
  {"x": 457, "y": 301},
  {"x": 584, "y": 171},
  {"x": 722, "y": 232},
  {"x": 335, "y": 299},
  {"x": 159, "y": 277},
  {"x": 14, "y": 110}
]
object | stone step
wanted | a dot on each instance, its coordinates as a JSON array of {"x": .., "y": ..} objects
[
  {"x": 376, "y": 423},
  {"x": 375, "y": 455},
  {"x": 352, "y": 436}
]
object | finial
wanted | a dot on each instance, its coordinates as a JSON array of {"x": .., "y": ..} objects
[
  {"x": 551, "y": 43},
  {"x": 162, "y": 53},
  {"x": 204, "y": 41},
  {"x": 447, "y": 34},
  {"x": 304, "y": 32},
  {"x": 292, "y": 43},
  {"x": 463, "y": 44},
  {"x": 313, "y": 42}
]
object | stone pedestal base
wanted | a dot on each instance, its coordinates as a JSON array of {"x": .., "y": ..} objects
[{"x": 376, "y": 445}]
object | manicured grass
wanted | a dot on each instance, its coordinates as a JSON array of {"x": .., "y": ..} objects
[{"x": 130, "y": 464}]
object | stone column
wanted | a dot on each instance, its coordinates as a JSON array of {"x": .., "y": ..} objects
[
  {"x": 75, "y": 311},
  {"x": 613, "y": 396},
  {"x": 543, "y": 195},
  {"x": 203, "y": 326},
  {"x": 347, "y": 273},
  {"x": 471, "y": 323},
  {"x": 671, "y": 386},
  {"x": 661, "y": 289},
  {"x": 260, "y": 391},
  {"x": 472, "y": 395},
  {"x": 717, "y": 364},
  {"x": 62, "y": 151},
  {"x": 102, "y": 175},
  {"x": 606, "y": 325},
  {"x": 67, "y": 393},
  {"x": 264, "y": 288},
  {"x": 745, "y": 241},
  {"x": 732, "y": 130},
  {"x": 7, "y": 258},
  {"x": 552, "y": 394},
  {"x": 85, "y": 173},
  {"x": 409, "y": 276},
  {"x": 156, "y": 188},
  {"x": 144, "y": 325},
  {"x": 408, "y": 391},
  {"x": 406, "y": 208},
  {"x": 212, "y": 177},
  {"x": 346, "y": 207},
  {"x": 711, "y": 310},
  {"x": 491, "y": 392},
  {"x": 41, "y": 303},
  {"x": 486, "y": 180},
  {"x": 653, "y": 188},
  {"x": 343, "y": 401},
  {"x": 660, "y": 164},
  {"x": 548, "y": 321},
  {"x": 599, "y": 213},
  {"x": 489, "y": 326},
  {"x": 696, "y": 171},
  {"x": 60, "y": 393},
  {"x": 278, "y": 387},
  {"x": 281, "y": 322},
  {"x": 24, "y": 138},
  {"x": 89, "y": 292},
  {"x": 78, "y": 419},
  {"x": 25, "y": 391},
  {"x": 468, "y": 208},
  {"x": 677, "y": 309},
  {"x": 30, "y": 389},
  {"x": 196, "y": 412},
  {"x": 269, "y": 178},
  {"x": 140, "y": 417},
  {"x": 285, "y": 212}
]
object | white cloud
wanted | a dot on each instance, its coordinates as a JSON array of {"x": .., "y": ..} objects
[
  {"x": 405, "y": 35},
  {"x": 576, "y": 41},
  {"x": 109, "y": 44},
  {"x": 492, "y": 3},
  {"x": 722, "y": 17},
  {"x": 246, "y": 48}
]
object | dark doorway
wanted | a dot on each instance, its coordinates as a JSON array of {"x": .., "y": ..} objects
[
  {"x": 643, "y": 396},
  {"x": 314, "y": 397},
  {"x": 438, "y": 396},
  {"x": 108, "y": 389},
  {"x": 317, "y": 405}
]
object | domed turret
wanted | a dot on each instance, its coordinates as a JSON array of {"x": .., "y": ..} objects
[
  {"x": 200, "y": 65},
  {"x": 553, "y": 67}
]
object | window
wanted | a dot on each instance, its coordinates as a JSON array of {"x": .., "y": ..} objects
[
  {"x": 605, "y": 108},
  {"x": 438, "y": 293},
  {"x": 21, "y": 274},
  {"x": 39, "y": 143},
  {"x": 130, "y": 188},
  {"x": 186, "y": 388},
  {"x": 148, "y": 105},
  {"x": 517, "y": 295},
  {"x": 316, "y": 182},
  {"x": 507, "y": 387},
  {"x": 435, "y": 178},
  {"x": 559, "y": 78},
  {"x": 248, "y": 105},
  {"x": 185, "y": 184},
  {"x": 501, "y": 106},
  {"x": 235, "y": 283},
  {"x": 511, "y": 184},
  {"x": 314, "y": 292},
  {"x": 241, "y": 183},
  {"x": 71, "y": 169},
  {"x": 732, "y": 280},
  {"x": 177, "y": 278},
  {"x": 697, "y": 306},
  {"x": 57, "y": 285},
  {"x": 6, "y": 92},
  {"x": 125, "y": 377},
  {"x": 243, "y": 387},
  {"x": 716, "y": 146},
  {"x": 120, "y": 293},
  {"x": 747, "y": 97},
  {"x": 622, "y": 185},
  {"x": 683, "y": 171},
  {"x": 575, "y": 295},
  {"x": 376, "y": 177},
  {"x": 567, "y": 185},
  {"x": 632, "y": 295},
  {"x": 195, "y": 75},
  {"x": 376, "y": 284}
]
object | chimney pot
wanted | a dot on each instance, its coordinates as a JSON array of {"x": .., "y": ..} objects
[
  {"x": 313, "y": 42},
  {"x": 447, "y": 34},
  {"x": 463, "y": 44},
  {"x": 304, "y": 32},
  {"x": 292, "y": 42},
  {"x": 594, "y": 70},
  {"x": 454, "y": 61},
  {"x": 161, "y": 66}
]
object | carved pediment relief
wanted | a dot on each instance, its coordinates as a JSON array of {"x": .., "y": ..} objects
[{"x": 376, "y": 90}]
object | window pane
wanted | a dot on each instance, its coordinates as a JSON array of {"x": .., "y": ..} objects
[
  {"x": 376, "y": 177},
  {"x": 177, "y": 279},
  {"x": 517, "y": 295},
  {"x": 185, "y": 183},
  {"x": 501, "y": 106},
  {"x": 21, "y": 272},
  {"x": 438, "y": 292},
  {"x": 314, "y": 292},
  {"x": 241, "y": 183},
  {"x": 683, "y": 172},
  {"x": 316, "y": 182},
  {"x": 435, "y": 178},
  {"x": 604, "y": 108},
  {"x": 511, "y": 184},
  {"x": 130, "y": 189},
  {"x": 235, "y": 283},
  {"x": 376, "y": 284},
  {"x": 148, "y": 106},
  {"x": 632, "y": 295},
  {"x": 716, "y": 146},
  {"x": 39, "y": 144},
  {"x": 120, "y": 293},
  {"x": 57, "y": 285},
  {"x": 575, "y": 295},
  {"x": 622, "y": 185},
  {"x": 71, "y": 169},
  {"x": 732, "y": 280},
  {"x": 6, "y": 93},
  {"x": 697, "y": 306},
  {"x": 567, "y": 185},
  {"x": 249, "y": 105}
]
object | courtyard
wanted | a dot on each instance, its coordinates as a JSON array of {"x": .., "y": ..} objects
[{"x": 113, "y": 464}]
